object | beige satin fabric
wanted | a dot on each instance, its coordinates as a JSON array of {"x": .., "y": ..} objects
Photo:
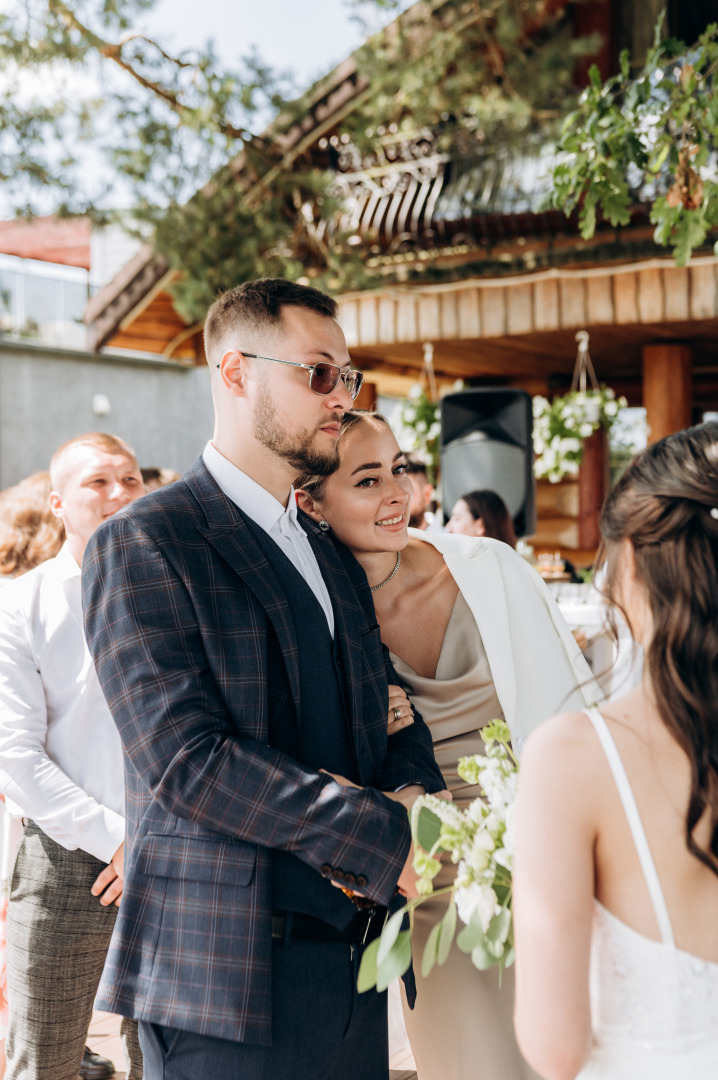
[
  {"x": 459, "y": 700},
  {"x": 462, "y": 1025}
]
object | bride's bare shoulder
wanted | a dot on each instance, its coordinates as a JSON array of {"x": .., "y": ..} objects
[{"x": 567, "y": 736}]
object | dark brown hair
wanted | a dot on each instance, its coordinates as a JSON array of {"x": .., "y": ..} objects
[
  {"x": 29, "y": 531},
  {"x": 666, "y": 504},
  {"x": 257, "y": 306},
  {"x": 494, "y": 513},
  {"x": 314, "y": 485}
]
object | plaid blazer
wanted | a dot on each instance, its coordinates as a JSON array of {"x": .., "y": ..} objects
[{"x": 178, "y": 603}]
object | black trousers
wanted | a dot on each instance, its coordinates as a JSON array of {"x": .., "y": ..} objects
[{"x": 322, "y": 1029}]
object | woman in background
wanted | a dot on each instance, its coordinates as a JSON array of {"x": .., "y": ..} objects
[
  {"x": 482, "y": 513},
  {"x": 474, "y": 635},
  {"x": 29, "y": 531},
  {"x": 616, "y": 871}
]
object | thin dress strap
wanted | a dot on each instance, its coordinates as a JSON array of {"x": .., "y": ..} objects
[{"x": 635, "y": 825}]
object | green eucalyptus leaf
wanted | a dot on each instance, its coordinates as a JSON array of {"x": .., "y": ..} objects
[
  {"x": 389, "y": 934},
  {"x": 366, "y": 980},
  {"x": 471, "y": 936},
  {"x": 396, "y": 961},
  {"x": 448, "y": 929},
  {"x": 499, "y": 927},
  {"x": 428, "y": 829},
  {"x": 482, "y": 958},
  {"x": 430, "y": 950}
]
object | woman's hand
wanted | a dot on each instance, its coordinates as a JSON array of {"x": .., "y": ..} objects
[{"x": 401, "y": 714}]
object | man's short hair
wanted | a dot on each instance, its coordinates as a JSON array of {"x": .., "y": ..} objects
[
  {"x": 415, "y": 466},
  {"x": 256, "y": 306},
  {"x": 111, "y": 444}
]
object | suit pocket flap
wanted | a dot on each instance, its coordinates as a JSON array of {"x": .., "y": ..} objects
[{"x": 225, "y": 862}]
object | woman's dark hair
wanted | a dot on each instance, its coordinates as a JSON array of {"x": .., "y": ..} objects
[
  {"x": 494, "y": 513},
  {"x": 666, "y": 505},
  {"x": 314, "y": 485}
]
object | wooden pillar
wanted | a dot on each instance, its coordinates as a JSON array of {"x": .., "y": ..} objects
[
  {"x": 367, "y": 397},
  {"x": 667, "y": 389},
  {"x": 592, "y": 488}
]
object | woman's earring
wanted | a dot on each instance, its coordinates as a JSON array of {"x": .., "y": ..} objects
[{"x": 324, "y": 525}]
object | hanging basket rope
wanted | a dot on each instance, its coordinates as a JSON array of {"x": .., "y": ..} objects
[{"x": 583, "y": 366}]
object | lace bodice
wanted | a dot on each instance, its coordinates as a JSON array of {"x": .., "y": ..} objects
[{"x": 654, "y": 1007}]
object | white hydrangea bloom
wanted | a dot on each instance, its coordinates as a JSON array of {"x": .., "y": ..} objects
[{"x": 476, "y": 897}]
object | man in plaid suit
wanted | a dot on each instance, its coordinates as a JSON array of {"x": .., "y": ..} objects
[{"x": 239, "y": 653}]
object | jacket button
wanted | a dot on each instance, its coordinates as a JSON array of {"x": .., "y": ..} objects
[
  {"x": 325, "y": 870},
  {"x": 339, "y": 875},
  {"x": 361, "y": 880},
  {"x": 350, "y": 879}
]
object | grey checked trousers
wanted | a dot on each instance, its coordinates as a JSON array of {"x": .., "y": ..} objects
[{"x": 58, "y": 935}]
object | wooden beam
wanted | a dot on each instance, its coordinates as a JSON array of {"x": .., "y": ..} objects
[{"x": 667, "y": 389}]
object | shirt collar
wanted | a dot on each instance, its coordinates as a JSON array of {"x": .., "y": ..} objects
[
  {"x": 248, "y": 495},
  {"x": 66, "y": 564}
]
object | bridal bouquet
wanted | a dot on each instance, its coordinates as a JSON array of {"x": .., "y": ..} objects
[{"x": 480, "y": 841}]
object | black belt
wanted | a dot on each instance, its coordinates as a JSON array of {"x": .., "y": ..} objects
[{"x": 364, "y": 927}]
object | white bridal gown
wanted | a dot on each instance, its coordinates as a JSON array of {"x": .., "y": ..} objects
[{"x": 654, "y": 1007}]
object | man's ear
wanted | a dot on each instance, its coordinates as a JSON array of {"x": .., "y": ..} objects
[
  {"x": 306, "y": 503},
  {"x": 233, "y": 370},
  {"x": 56, "y": 504}
]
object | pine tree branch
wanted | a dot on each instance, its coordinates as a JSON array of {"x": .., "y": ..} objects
[{"x": 113, "y": 51}]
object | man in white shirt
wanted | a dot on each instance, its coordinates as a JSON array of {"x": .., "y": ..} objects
[{"x": 61, "y": 771}]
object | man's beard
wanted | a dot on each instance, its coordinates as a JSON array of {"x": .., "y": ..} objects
[
  {"x": 298, "y": 450},
  {"x": 417, "y": 521}
]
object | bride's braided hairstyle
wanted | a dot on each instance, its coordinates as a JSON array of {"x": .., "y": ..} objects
[{"x": 666, "y": 504}]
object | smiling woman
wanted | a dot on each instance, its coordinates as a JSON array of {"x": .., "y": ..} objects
[{"x": 457, "y": 614}]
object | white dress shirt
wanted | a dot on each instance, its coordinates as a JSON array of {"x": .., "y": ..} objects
[
  {"x": 60, "y": 752},
  {"x": 278, "y": 521}
]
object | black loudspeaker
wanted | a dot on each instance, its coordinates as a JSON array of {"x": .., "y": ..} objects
[{"x": 486, "y": 444}]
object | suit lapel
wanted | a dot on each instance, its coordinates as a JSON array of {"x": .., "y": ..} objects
[{"x": 230, "y": 536}]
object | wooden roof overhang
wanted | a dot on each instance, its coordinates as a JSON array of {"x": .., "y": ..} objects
[
  {"x": 471, "y": 262},
  {"x": 521, "y": 330}
]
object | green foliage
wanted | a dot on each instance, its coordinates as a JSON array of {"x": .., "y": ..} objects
[
  {"x": 387, "y": 958},
  {"x": 658, "y": 129},
  {"x": 470, "y": 73},
  {"x": 181, "y": 127},
  {"x": 417, "y": 427}
]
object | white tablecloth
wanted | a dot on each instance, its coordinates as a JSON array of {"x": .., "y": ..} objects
[{"x": 616, "y": 668}]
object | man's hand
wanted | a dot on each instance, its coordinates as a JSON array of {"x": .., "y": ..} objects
[
  {"x": 110, "y": 882},
  {"x": 408, "y": 878}
]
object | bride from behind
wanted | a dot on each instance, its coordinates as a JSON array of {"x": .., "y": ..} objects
[{"x": 616, "y": 874}]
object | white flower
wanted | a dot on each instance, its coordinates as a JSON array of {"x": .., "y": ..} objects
[
  {"x": 476, "y": 897},
  {"x": 585, "y": 430},
  {"x": 415, "y": 392},
  {"x": 478, "y": 857},
  {"x": 611, "y": 408},
  {"x": 593, "y": 410}
]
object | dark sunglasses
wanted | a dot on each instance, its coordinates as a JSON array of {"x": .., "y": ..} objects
[{"x": 323, "y": 377}]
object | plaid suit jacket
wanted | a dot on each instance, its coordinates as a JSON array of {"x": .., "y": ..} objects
[{"x": 178, "y": 603}]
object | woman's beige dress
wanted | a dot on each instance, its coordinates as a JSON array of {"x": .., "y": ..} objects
[{"x": 462, "y": 1025}]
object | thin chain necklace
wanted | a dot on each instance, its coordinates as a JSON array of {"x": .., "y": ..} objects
[{"x": 391, "y": 575}]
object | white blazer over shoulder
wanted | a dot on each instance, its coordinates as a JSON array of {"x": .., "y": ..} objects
[{"x": 538, "y": 668}]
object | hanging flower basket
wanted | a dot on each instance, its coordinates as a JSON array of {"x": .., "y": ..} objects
[
  {"x": 417, "y": 428},
  {"x": 561, "y": 426}
]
